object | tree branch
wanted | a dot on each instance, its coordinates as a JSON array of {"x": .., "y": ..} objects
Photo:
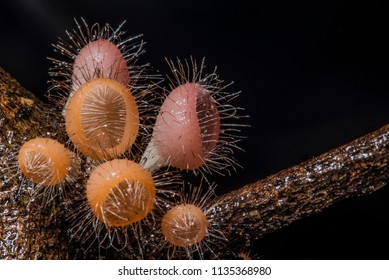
[{"x": 359, "y": 167}]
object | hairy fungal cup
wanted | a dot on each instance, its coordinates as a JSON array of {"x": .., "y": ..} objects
[
  {"x": 94, "y": 52},
  {"x": 120, "y": 192},
  {"x": 188, "y": 226},
  {"x": 184, "y": 225},
  {"x": 49, "y": 167},
  {"x": 121, "y": 200},
  {"x": 100, "y": 59},
  {"x": 195, "y": 127},
  {"x": 188, "y": 126},
  {"x": 45, "y": 161},
  {"x": 102, "y": 118}
]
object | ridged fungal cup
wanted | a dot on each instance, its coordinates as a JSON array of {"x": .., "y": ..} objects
[
  {"x": 45, "y": 161},
  {"x": 102, "y": 118},
  {"x": 120, "y": 192}
]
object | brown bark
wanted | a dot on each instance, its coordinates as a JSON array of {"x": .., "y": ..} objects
[
  {"x": 28, "y": 231},
  {"x": 359, "y": 167}
]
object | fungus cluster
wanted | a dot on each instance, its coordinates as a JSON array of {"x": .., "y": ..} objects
[{"x": 96, "y": 86}]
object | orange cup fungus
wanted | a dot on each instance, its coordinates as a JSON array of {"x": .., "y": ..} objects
[
  {"x": 102, "y": 118},
  {"x": 184, "y": 225},
  {"x": 120, "y": 192},
  {"x": 45, "y": 161}
]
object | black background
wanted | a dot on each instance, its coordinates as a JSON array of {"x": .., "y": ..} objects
[{"x": 313, "y": 75}]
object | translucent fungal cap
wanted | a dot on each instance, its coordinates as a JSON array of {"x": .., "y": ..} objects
[
  {"x": 100, "y": 59},
  {"x": 120, "y": 192},
  {"x": 45, "y": 161},
  {"x": 188, "y": 126},
  {"x": 102, "y": 118},
  {"x": 184, "y": 225}
]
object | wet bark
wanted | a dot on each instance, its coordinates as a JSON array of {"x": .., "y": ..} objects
[
  {"x": 357, "y": 168},
  {"x": 26, "y": 231}
]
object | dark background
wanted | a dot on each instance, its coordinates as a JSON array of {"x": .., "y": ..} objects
[{"x": 313, "y": 75}]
